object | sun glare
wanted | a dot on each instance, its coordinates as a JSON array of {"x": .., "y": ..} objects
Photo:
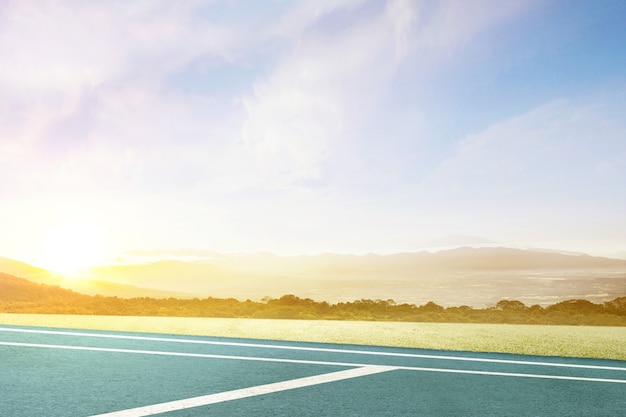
[{"x": 72, "y": 249}]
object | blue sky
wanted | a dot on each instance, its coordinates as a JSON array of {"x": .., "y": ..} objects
[{"x": 310, "y": 126}]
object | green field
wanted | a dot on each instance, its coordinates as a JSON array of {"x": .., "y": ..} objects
[{"x": 572, "y": 341}]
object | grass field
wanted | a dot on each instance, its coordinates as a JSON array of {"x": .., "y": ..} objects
[{"x": 571, "y": 341}]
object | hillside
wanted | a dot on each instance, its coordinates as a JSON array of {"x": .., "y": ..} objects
[
  {"x": 502, "y": 258},
  {"x": 85, "y": 286},
  {"x": 472, "y": 276},
  {"x": 22, "y": 269},
  {"x": 461, "y": 276},
  {"x": 18, "y": 295},
  {"x": 14, "y": 289}
]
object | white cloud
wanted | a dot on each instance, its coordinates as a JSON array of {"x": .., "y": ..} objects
[
  {"x": 318, "y": 103},
  {"x": 321, "y": 94},
  {"x": 90, "y": 112},
  {"x": 454, "y": 23},
  {"x": 305, "y": 13},
  {"x": 66, "y": 47},
  {"x": 403, "y": 15},
  {"x": 88, "y": 81},
  {"x": 555, "y": 154},
  {"x": 83, "y": 99}
]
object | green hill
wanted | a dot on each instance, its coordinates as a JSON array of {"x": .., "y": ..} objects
[{"x": 14, "y": 289}]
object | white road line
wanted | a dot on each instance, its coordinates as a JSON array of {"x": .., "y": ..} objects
[
  {"x": 312, "y": 349},
  {"x": 309, "y": 362},
  {"x": 180, "y": 354},
  {"x": 511, "y": 374},
  {"x": 247, "y": 392}
]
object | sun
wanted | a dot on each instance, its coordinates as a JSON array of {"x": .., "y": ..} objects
[{"x": 73, "y": 248}]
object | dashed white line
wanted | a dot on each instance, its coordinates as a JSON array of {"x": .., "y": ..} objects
[{"x": 247, "y": 392}]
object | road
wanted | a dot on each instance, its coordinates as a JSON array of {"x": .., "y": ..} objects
[{"x": 63, "y": 372}]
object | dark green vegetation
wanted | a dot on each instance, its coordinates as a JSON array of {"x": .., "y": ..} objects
[{"x": 18, "y": 295}]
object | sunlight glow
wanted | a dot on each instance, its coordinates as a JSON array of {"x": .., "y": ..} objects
[{"x": 73, "y": 248}]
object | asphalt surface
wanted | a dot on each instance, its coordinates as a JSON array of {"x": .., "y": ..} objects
[{"x": 62, "y": 372}]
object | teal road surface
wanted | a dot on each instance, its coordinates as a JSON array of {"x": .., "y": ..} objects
[{"x": 79, "y": 373}]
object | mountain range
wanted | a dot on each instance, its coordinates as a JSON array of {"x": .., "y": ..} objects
[{"x": 476, "y": 276}]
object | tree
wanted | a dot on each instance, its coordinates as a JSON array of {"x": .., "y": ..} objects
[
  {"x": 510, "y": 305},
  {"x": 432, "y": 307},
  {"x": 577, "y": 306}
]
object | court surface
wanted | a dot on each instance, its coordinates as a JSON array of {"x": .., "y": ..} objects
[{"x": 62, "y": 372}]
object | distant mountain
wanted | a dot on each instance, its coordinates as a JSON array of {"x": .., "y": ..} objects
[
  {"x": 114, "y": 289},
  {"x": 85, "y": 286},
  {"x": 501, "y": 258},
  {"x": 460, "y": 257},
  {"x": 165, "y": 275},
  {"x": 467, "y": 275},
  {"x": 461, "y": 275}
]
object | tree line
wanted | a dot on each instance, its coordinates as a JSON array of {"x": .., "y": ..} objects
[{"x": 17, "y": 297}]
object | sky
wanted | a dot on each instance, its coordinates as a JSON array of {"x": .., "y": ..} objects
[{"x": 302, "y": 127}]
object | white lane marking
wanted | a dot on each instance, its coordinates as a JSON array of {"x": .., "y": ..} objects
[
  {"x": 309, "y": 362},
  {"x": 180, "y": 354},
  {"x": 513, "y": 374},
  {"x": 311, "y": 349},
  {"x": 247, "y": 392}
]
